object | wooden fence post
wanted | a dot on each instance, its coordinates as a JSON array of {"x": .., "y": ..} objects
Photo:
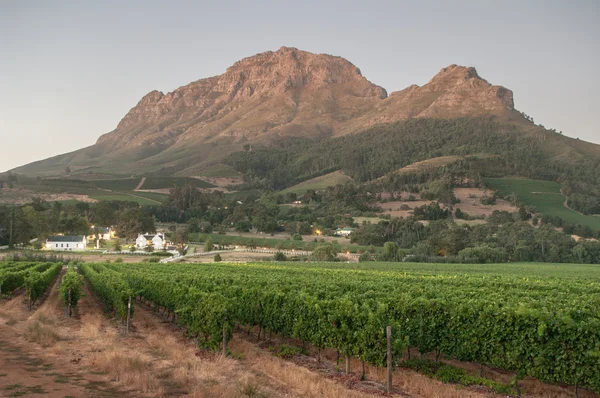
[
  {"x": 69, "y": 305},
  {"x": 388, "y": 332},
  {"x": 128, "y": 313},
  {"x": 348, "y": 364},
  {"x": 224, "y": 342}
]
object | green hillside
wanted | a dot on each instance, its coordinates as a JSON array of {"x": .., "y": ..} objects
[
  {"x": 545, "y": 196},
  {"x": 319, "y": 183}
]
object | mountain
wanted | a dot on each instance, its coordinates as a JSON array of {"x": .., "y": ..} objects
[{"x": 266, "y": 97}]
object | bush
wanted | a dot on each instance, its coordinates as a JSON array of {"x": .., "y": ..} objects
[
  {"x": 208, "y": 245},
  {"x": 297, "y": 237},
  {"x": 488, "y": 200},
  {"x": 279, "y": 256},
  {"x": 217, "y": 258},
  {"x": 118, "y": 260}
]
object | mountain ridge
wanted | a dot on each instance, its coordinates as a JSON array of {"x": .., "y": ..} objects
[{"x": 283, "y": 93}]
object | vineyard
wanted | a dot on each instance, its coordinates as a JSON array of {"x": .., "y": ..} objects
[
  {"x": 539, "y": 321},
  {"x": 34, "y": 276}
]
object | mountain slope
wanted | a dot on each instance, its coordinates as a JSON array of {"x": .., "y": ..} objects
[{"x": 286, "y": 93}]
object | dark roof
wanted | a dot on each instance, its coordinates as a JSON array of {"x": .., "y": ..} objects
[
  {"x": 102, "y": 230},
  {"x": 66, "y": 238}
]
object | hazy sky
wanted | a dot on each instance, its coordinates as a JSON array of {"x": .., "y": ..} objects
[{"x": 70, "y": 70}]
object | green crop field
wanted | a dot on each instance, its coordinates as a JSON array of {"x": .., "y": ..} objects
[
  {"x": 169, "y": 182},
  {"x": 537, "y": 320},
  {"x": 545, "y": 196},
  {"x": 159, "y": 197},
  {"x": 220, "y": 170},
  {"x": 123, "y": 184},
  {"x": 319, "y": 183}
]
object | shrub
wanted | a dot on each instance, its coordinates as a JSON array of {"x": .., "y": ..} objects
[
  {"x": 279, "y": 256},
  {"x": 217, "y": 258}
]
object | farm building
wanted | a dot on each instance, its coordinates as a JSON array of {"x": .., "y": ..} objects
[
  {"x": 157, "y": 241},
  {"x": 66, "y": 243},
  {"x": 343, "y": 231}
]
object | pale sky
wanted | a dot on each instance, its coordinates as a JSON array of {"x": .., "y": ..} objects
[{"x": 70, "y": 70}]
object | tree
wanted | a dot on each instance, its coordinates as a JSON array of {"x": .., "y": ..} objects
[
  {"x": 68, "y": 170},
  {"x": 208, "y": 245},
  {"x": 217, "y": 257},
  {"x": 132, "y": 222},
  {"x": 391, "y": 252},
  {"x": 325, "y": 252}
]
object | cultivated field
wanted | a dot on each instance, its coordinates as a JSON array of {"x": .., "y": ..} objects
[
  {"x": 545, "y": 196},
  {"x": 319, "y": 183},
  {"x": 470, "y": 203},
  {"x": 288, "y": 345}
]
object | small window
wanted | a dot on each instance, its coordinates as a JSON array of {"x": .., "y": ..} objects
[{"x": 61, "y": 245}]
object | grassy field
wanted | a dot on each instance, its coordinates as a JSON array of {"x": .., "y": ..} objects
[
  {"x": 159, "y": 197},
  {"x": 124, "y": 196},
  {"x": 319, "y": 183},
  {"x": 220, "y": 170},
  {"x": 545, "y": 196},
  {"x": 168, "y": 182},
  {"x": 282, "y": 244},
  {"x": 123, "y": 184}
]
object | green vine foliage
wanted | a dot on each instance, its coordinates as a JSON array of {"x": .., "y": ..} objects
[
  {"x": 110, "y": 287},
  {"x": 541, "y": 327},
  {"x": 74, "y": 282},
  {"x": 38, "y": 282}
]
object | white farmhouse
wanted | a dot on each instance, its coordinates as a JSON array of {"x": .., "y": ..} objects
[
  {"x": 66, "y": 243},
  {"x": 157, "y": 241}
]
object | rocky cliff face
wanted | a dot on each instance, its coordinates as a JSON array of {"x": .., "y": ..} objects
[
  {"x": 260, "y": 94},
  {"x": 283, "y": 93}
]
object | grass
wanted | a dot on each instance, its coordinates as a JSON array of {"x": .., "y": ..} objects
[
  {"x": 19, "y": 390},
  {"x": 451, "y": 374},
  {"x": 319, "y": 183},
  {"x": 123, "y": 197},
  {"x": 159, "y": 197},
  {"x": 42, "y": 335},
  {"x": 169, "y": 182},
  {"x": 545, "y": 196},
  {"x": 282, "y": 244},
  {"x": 122, "y": 184},
  {"x": 220, "y": 170}
]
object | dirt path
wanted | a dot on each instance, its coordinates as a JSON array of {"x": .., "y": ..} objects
[
  {"x": 36, "y": 356},
  {"x": 140, "y": 184}
]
